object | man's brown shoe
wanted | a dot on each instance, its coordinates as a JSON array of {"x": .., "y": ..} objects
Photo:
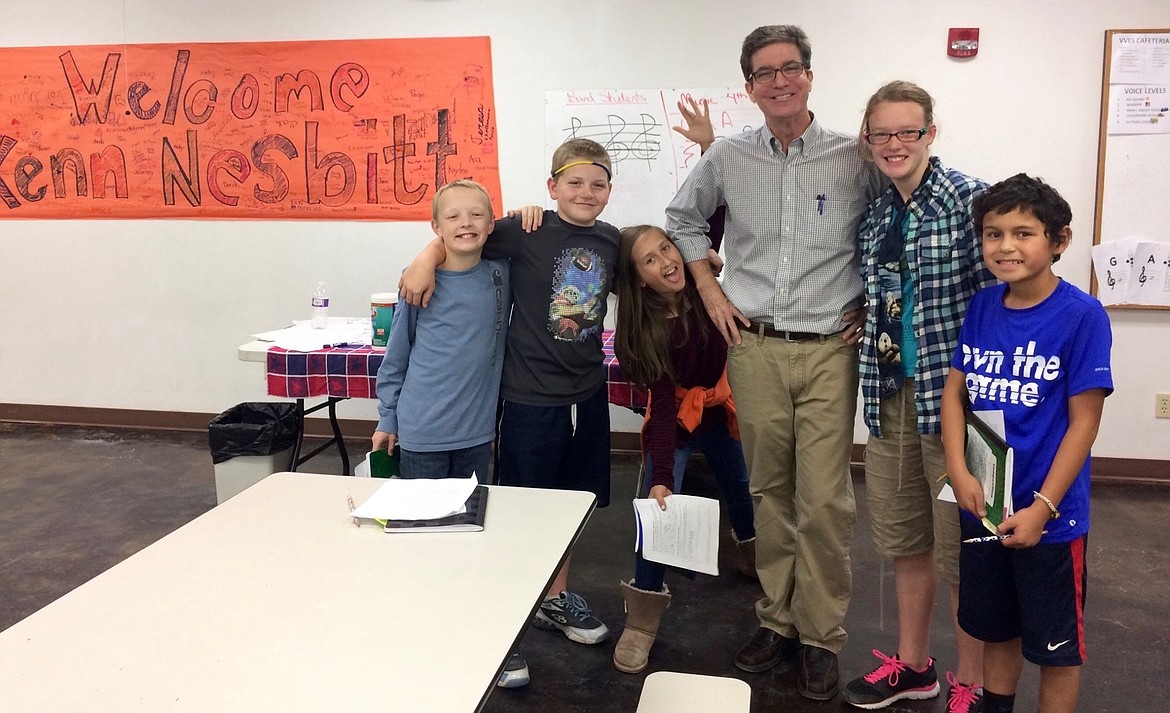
[
  {"x": 765, "y": 649},
  {"x": 819, "y": 675}
]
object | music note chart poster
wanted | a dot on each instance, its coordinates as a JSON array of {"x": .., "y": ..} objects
[
  {"x": 328, "y": 130},
  {"x": 1149, "y": 280},
  {"x": 1132, "y": 271},
  {"x": 650, "y": 160},
  {"x": 1113, "y": 263}
]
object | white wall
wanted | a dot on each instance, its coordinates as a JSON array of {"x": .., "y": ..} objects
[{"x": 148, "y": 314}]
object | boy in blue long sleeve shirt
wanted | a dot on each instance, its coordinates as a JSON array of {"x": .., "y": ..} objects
[{"x": 440, "y": 379}]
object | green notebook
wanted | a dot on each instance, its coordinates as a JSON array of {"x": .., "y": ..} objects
[
  {"x": 383, "y": 464},
  {"x": 990, "y": 459}
]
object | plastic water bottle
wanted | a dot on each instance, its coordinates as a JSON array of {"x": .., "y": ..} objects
[{"x": 320, "y": 319}]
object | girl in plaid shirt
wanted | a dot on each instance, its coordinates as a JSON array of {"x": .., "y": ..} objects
[{"x": 921, "y": 263}]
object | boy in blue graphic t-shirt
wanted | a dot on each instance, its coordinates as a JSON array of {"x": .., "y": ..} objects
[{"x": 1037, "y": 349}]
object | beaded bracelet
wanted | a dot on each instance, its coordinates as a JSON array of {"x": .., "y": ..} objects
[{"x": 1053, "y": 513}]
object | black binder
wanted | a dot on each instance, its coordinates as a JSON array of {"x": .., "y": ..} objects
[{"x": 470, "y": 520}]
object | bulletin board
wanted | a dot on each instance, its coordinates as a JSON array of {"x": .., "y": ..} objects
[{"x": 1131, "y": 239}]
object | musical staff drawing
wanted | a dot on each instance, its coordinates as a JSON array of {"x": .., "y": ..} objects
[{"x": 650, "y": 160}]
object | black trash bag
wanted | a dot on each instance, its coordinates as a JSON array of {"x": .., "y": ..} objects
[{"x": 257, "y": 428}]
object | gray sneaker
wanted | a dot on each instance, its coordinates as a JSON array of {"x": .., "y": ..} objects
[
  {"x": 571, "y": 615},
  {"x": 515, "y": 673}
]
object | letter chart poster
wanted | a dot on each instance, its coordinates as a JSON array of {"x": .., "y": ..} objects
[{"x": 327, "y": 130}]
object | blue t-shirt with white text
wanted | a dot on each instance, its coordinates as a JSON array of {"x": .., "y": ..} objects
[{"x": 1028, "y": 363}]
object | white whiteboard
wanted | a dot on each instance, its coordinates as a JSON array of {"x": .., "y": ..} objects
[{"x": 650, "y": 160}]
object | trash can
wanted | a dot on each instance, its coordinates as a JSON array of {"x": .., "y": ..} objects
[{"x": 249, "y": 442}]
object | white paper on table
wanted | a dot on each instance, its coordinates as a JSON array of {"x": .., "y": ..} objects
[
  {"x": 1113, "y": 261},
  {"x": 302, "y": 337},
  {"x": 417, "y": 498},
  {"x": 685, "y": 534}
]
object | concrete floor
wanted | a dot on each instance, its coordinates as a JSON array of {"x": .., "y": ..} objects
[{"x": 75, "y": 501}]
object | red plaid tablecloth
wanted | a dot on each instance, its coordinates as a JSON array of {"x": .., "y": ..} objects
[
  {"x": 352, "y": 372},
  {"x": 621, "y": 391},
  {"x": 341, "y": 372}
]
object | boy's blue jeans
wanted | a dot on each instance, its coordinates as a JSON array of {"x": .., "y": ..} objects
[
  {"x": 459, "y": 463},
  {"x": 725, "y": 456}
]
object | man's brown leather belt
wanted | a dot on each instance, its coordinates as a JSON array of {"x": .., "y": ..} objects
[{"x": 757, "y": 328}]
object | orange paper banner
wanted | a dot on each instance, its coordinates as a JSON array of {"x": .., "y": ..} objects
[{"x": 326, "y": 130}]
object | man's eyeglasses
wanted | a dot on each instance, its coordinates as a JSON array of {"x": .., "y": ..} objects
[
  {"x": 906, "y": 136},
  {"x": 789, "y": 70}
]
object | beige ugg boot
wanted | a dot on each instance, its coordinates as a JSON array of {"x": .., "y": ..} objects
[
  {"x": 745, "y": 557},
  {"x": 643, "y": 614}
]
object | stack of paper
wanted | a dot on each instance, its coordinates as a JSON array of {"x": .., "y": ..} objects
[
  {"x": 417, "y": 499},
  {"x": 301, "y": 337}
]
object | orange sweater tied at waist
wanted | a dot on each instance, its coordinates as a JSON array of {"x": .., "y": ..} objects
[{"x": 692, "y": 401}]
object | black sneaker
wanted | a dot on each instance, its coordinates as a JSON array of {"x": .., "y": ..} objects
[
  {"x": 515, "y": 673},
  {"x": 893, "y": 680},
  {"x": 571, "y": 615}
]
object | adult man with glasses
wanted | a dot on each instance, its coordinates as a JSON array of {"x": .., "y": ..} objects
[{"x": 794, "y": 193}]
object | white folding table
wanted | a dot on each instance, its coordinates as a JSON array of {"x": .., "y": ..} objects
[{"x": 275, "y": 600}]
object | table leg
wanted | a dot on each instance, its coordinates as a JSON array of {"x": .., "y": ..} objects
[
  {"x": 296, "y": 454},
  {"x": 338, "y": 437},
  {"x": 331, "y": 404}
]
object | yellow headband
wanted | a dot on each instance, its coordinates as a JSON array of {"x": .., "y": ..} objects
[{"x": 602, "y": 166}]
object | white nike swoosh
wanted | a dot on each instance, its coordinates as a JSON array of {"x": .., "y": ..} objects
[{"x": 1054, "y": 647}]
